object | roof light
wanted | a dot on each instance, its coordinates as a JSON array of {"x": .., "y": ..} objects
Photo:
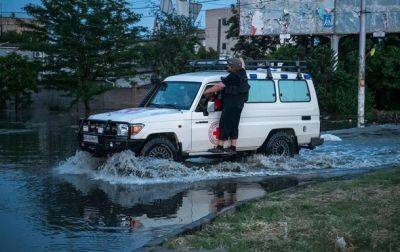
[
  {"x": 307, "y": 76},
  {"x": 253, "y": 76},
  {"x": 284, "y": 76}
]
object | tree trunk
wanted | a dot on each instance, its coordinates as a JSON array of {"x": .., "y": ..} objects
[{"x": 87, "y": 107}]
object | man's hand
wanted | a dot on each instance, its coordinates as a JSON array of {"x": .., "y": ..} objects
[
  {"x": 243, "y": 64},
  {"x": 208, "y": 95},
  {"x": 217, "y": 87}
]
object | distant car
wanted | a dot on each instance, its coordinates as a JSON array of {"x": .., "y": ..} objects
[{"x": 176, "y": 121}]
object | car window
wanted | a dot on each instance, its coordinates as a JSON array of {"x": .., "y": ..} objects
[
  {"x": 175, "y": 94},
  {"x": 202, "y": 105},
  {"x": 294, "y": 91},
  {"x": 261, "y": 91}
]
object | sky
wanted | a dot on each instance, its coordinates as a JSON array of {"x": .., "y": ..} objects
[{"x": 139, "y": 6}]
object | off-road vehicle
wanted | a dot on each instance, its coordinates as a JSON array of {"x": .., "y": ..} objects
[{"x": 177, "y": 121}]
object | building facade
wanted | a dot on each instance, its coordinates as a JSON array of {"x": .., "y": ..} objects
[
  {"x": 13, "y": 24},
  {"x": 216, "y": 31}
]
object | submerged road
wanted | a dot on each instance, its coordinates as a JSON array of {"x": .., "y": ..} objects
[{"x": 54, "y": 198}]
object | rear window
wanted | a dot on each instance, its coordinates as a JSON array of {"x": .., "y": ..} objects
[
  {"x": 294, "y": 91},
  {"x": 261, "y": 91}
]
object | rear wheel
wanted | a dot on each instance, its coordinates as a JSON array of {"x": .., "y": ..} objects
[
  {"x": 159, "y": 147},
  {"x": 281, "y": 144}
]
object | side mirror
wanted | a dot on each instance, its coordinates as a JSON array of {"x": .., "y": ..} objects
[{"x": 210, "y": 107}]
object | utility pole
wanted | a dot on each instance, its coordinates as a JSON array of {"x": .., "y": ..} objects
[
  {"x": 335, "y": 39},
  {"x": 361, "y": 68},
  {"x": 335, "y": 48}
]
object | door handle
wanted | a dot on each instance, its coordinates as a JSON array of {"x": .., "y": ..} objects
[
  {"x": 198, "y": 122},
  {"x": 306, "y": 118}
]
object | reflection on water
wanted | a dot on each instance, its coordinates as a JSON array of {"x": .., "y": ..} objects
[
  {"x": 54, "y": 198},
  {"x": 159, "y": 205}
]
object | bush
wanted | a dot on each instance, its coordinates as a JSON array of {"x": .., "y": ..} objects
[{"x": 18, "y": 80}]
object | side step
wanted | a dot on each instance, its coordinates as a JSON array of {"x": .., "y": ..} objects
[{"x": 210, "y": 154}]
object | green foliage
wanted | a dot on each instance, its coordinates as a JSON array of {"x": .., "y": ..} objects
[
  {"x": 383, "y": 72},
  {"x": 11, "y": 37},
  {"x": 203, "y": 53},
  {"x": 337, "y": 90},
  {"x": 382, "y": 69},
  {"x": 18, "y": 80},
  {"x": 19, "y": 38},
  {"x": 172, "y": 44},
  {"x": 85, "y": 43}
]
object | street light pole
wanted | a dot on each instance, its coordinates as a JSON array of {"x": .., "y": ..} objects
[{"x": 361, "y": 68}]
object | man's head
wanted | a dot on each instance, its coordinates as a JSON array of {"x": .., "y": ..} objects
[{"x": 234, "y": 65}]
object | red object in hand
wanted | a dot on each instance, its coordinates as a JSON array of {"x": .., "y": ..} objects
[
  {"x": 217, "y": 133},
  {"x": 218, "y": 104}
]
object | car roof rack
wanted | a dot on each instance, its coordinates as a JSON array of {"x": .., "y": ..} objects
[
  {"x": 206, "y": 64},
  {"x": 268, "y": 64}
]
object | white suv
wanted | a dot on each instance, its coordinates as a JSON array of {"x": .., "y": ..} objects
[{"x": 176, "y": 121}]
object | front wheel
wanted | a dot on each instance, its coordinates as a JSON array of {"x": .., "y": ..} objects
[
  {"x": 280, "y": 144},
  {"x": 160, "y": 147}
]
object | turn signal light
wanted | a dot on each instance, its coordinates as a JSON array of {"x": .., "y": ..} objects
[{"x": 136, "y": 128}]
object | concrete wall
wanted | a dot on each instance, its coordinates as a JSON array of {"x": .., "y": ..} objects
[{"x": 118, "y": 98}]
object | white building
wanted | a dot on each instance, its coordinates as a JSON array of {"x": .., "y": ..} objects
[{"x": 216, "y": 31}]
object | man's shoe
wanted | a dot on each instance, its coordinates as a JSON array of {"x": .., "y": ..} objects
[
  {"x": 217, "y": 150},
  {"x": 230, "y": 150}
]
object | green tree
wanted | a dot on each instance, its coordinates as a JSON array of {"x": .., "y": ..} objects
[
  {"x": 204, "y": 53},
  {"x": 172, "y": 44},
  {"x": 383, "y": 72},
  {"x": 337, "y": 90},
  {"x": 18, "y": 38},
  {"x": 18, "y": 80},
  {"x": 86, "y": 41}
]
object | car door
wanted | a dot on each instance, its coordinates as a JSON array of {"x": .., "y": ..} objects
[{"x": 205, "y": 127}]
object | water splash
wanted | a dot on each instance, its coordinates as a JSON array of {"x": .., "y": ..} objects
[
  {"x": 80, "y": 163},
  {"x": 352, "y": 149},
  {"x": 330, "y": 137}
]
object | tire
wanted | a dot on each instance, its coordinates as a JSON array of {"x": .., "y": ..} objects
[
  {"x": 281, "y": 144},
  {"x": 160, "y": 147}
]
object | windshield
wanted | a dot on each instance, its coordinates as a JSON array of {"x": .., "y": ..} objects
[{"x": 175, "y": 94}]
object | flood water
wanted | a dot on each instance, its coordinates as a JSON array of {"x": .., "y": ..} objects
[{"x": 53, "y": 197}]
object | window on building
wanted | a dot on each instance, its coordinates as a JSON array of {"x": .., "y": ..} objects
[
  {"x": 294, "y": 91},
  {"x": 261, "y": 91},
  {"x": 223, "y": 46},
  {"x": 224, "y": 21}
]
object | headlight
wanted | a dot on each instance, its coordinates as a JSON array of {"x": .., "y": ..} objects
[
  {"x": 122, "y": 129},
  {"x": 136, "y": 128}
]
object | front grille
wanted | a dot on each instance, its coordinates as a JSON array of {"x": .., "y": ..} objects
[{"x": 100, "y": 127}]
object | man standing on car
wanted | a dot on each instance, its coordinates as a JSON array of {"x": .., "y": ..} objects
[{"x": 235, "y": 91}]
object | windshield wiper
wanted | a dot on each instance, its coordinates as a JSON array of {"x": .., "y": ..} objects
[
  {"x": 171, "y": 106},
  {"x": 165, "y": 106},
  {"x": 155, "y": 105}
]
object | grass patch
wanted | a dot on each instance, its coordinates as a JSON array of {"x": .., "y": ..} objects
[{"x": 365, "y": 212}]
